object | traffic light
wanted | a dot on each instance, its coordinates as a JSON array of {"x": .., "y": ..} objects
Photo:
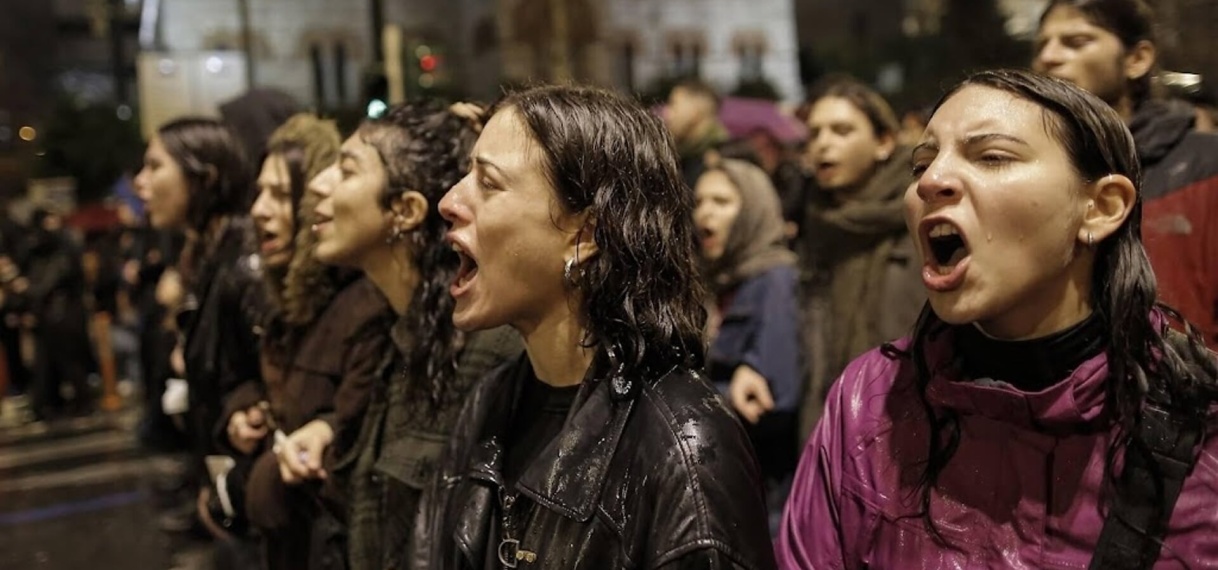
[{"x": 428, "y": 68}]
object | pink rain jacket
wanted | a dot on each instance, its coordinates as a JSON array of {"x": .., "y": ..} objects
[{"x": 1021, "y": 490}]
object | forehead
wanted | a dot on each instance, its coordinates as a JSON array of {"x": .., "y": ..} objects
[
  {"x": 836, "y": 109},
  {"x": 505, "y": 141},
  {"x": 355, "y": 146},
  {"x": 1065, "y": 20},
  {"x": 716, "y": 183},
  {"x": 274, "y": 168},
  {"x": 977, "y": 110}
]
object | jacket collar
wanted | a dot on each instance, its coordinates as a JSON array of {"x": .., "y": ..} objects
[
  {"x": 569, "y": 474},
  {"x": 1076, "y": 400}
]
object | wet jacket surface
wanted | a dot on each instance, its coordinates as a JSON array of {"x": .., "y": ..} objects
[
  {"x": 1020, "y": 492},
  {"x": 665, "y": 479},
  {"x": 1180, "y": 215}
]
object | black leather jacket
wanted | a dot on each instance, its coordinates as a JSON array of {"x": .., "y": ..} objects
[
  {"x": 665, "y": 479},
  {"x": 219, "y": 324}
]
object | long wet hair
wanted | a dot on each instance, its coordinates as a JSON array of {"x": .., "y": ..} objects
[
  {"x": 1182, "y": 376},
  {"x": 425, "y": 148},
  {"x": 218, "y": 177},
  {"x": 1131, "y": 21},
  {"x": 611, "y": 159}
]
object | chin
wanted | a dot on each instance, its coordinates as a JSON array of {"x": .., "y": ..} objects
[{"x": 953, "y": 310}]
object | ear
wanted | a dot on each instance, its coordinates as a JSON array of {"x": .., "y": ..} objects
[
  {"x": 1140, "y": 59},
  {"x": 581, "y": 244},
  {"x": 409, "y": 210},
  {"x": 888, "y": 144},
  {"x": 1109, "y": 202}
]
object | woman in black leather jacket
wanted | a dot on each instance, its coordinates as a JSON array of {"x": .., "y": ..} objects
[
  {"x": 600, "y": 447},
  {"x": 196, "y": 180}
]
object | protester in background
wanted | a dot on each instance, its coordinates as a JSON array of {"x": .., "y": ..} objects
[
  {"x": 860, "y": 264},
  {"x": 692, "y": 116},
  {"x": 1108, "y": 47},
  {"x": 756, "y": 353},
  {"x": 377, "y": 213},
  {"x": 195, "y": 179},
  {"x": 1042, "y": 414},
  {"x": 55, "y": 293},
  {"x": 323, "y": 328},
  {"x": 600, "y": 447}
]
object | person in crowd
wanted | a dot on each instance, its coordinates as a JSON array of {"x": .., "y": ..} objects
[
  {"x": 600, "y": 447},
  {"x": 195, "y": 180},
  {"x": 692, "y": 116},
  {"x": 1108, "y": 47},
  {"x": 325, "y": 326},
  {"x": 54, "y": 289},
  {"x": 1042, "y": 414},
  {"x": 377, "y": 212},
  {"x": 860, "y": 272},
  {"x": 755, "y": 355}
]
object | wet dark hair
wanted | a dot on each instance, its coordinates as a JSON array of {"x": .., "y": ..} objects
[
  {"x": 1131, "y": 21},
  {"x": 218, "y": 177},
  {"x": 1140, "y": 358},
  {"x": 613, "y": 160},
  {"x": 425, "y": 148},
  {"x": 879, "y": 113}
]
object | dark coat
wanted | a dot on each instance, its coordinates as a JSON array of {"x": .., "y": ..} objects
[
  {"x": 378, "y": 477},
  {"x": 329, "y": 376},
  {"x": 665, "y": 479},
  {"x": 219, "y": 323}
]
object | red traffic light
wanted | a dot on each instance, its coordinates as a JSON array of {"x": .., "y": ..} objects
[{"x": 428, "y": 63}]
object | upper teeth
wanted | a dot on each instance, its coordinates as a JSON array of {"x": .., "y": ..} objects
[{"x": 943, "y": 229}]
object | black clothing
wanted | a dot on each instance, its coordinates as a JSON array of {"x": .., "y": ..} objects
[
  {"x": 1030, "y": 365},
  {"x": 663, "y": 479},
  {"x": 223, "y": 307},
  {"x": 56, "y": 298},
  {"x": 539, "y": 417}
]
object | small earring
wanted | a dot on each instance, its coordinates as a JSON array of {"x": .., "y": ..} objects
[
  {"x": 395, "y": 235},
  {"x": 1090, "y": 239},
  {"x": 567, "y": 269}
]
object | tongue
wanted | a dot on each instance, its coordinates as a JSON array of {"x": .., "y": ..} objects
[{"x": 957, "y": 256}]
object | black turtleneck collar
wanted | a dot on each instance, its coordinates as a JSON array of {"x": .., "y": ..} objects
[{"x": 1029, "y": 365}]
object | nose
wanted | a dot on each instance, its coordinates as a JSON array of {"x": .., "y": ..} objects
[
  {"x": 259, "y": 209},
  {"x": 450, "y": 205},
  {"x": 323, "y": 184},
  {"x": 1049, "y": 56},
  {"x": 141, "y": 184},
  {"x": 938, "y": 183}
]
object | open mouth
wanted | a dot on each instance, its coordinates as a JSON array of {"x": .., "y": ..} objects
[
  {"x": 319, "y": 221},
  {"x": 948, "y": 256},
  {"x": 466, "y": 272},
  {"x": 269, "y": 242},
  {"x": 947, "y": 246}
]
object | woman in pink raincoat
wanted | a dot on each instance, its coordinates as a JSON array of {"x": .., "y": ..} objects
[{"x": 1043, "y": 414}]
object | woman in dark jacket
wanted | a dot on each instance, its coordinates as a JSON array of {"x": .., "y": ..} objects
[
  {"x": 326, "y": 326},
  {"x": 755, "y": 356},
  {"x": 380, "y": 216},
  {"x": 601, "y": 447},
  {"x": 196, "y": 180}
]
